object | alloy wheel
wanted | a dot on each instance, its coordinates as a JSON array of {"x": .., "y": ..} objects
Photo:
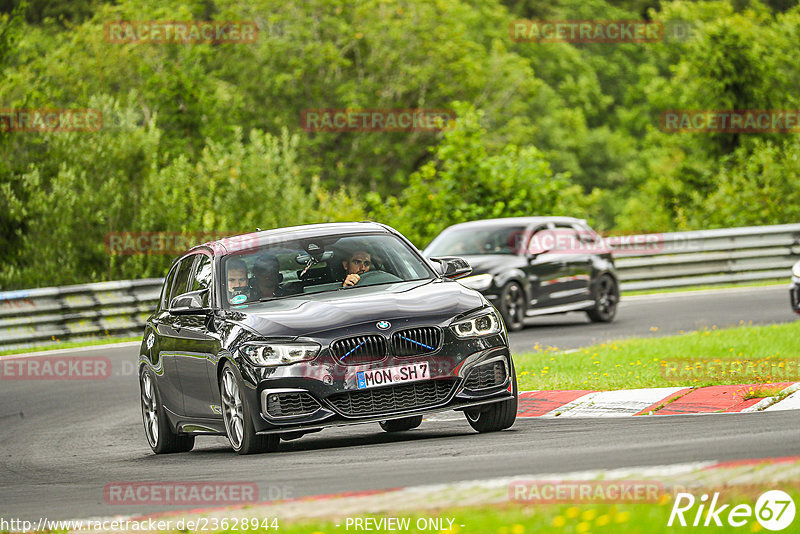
[
  {"x": 149, "y": 409},
  {"x": 232, "y": 411}
]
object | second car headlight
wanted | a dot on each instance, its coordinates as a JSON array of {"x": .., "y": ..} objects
[
  {"x": 265, "y": 354},
  {"x": 482, "y": 325},
  {"x": 479, "y": 281}
]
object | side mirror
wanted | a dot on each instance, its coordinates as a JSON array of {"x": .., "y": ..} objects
[
  {"x": 190, "y": 303},
  {"x": 532, "y": 253},
  {"x": 452, "y": 267}
]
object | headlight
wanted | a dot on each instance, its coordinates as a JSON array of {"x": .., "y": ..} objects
[
  {"x": 796, "y": 270},
  {"x": 482, "y": 325},
  {"x": 479, "y": 281},
  {"x": 265, "y": 354}
]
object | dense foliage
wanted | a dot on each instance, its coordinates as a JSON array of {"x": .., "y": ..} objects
[{"x": 208, "y": 136}]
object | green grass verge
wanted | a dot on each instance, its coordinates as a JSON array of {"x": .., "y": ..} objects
[
  {"x": 642, "y": 518},
  {"x": 71, "y": 344},
  {"x": 760, "y": 283},
  {"x": 640, "y": 362}
]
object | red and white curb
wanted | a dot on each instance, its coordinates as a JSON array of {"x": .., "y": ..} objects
[
  {"x": 649, "y": 401},
  {"x": 657, "y": 401}
]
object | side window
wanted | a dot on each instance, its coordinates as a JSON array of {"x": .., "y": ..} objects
[
  {"x": 201, "y": 276},
  {"x": 542, "y": 241},
  {"x": 165, "y": 291},
  {"x": 586, "y": 235},
  {"x": 182, "y": 278},
  {"x": 567, "y": 240}
]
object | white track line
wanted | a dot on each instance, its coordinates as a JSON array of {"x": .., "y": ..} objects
[
  {"x": 87, "y": 348},
  {"x": 704, "y": 292}
]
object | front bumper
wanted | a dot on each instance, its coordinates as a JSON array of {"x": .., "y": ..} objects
[{"x": 320, "y": 399}]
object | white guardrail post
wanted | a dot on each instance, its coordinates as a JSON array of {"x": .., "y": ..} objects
[{"x": 33, "y": 317}]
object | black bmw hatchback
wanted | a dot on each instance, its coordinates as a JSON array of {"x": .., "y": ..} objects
[
  {"x": 271, "y": 335},
  {"x": 528, "y": 266}
]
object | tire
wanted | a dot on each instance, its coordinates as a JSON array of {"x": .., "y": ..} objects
[
  {"x": 400, "y": 425},
  {"x": 497, "y": 416},
  {"x": 156, "y": 426},
  {"x": 513, "y": 305},
  {"x": 237, "y": 416},
  {"x": 606, "y": 298}
]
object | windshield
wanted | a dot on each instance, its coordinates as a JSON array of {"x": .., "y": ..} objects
[
  {"x": 328, "y": 263},
  {"x": 473, "y": 241}
]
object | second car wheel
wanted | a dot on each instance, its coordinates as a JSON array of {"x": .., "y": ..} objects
[
  {"x": 237, "y": 417},
  {"x": 399, "y": 425},
  {"x": 513, "y": 306},
  {"x": 606, "y": 298}
]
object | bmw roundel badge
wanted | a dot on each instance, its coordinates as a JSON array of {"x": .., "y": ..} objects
[{"x": 383, "y": 325}]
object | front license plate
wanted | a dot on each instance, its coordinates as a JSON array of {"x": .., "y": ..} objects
[{"x": 393, "y": 375}]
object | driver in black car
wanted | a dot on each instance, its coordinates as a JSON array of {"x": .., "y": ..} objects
[{"x": 355, "y": 265}]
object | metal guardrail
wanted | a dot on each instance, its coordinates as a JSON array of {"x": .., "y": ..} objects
[
  {"x": 89, "y": 311},
  {"x": 34, "y": 317},
  {"x": 729, "y": 255}
]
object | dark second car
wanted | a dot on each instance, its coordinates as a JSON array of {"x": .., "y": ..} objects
[
  {"x": 528, "y": 266},
  {"x": 279, "y": 333}
]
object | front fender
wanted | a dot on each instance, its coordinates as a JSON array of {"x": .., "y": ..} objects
[{"x": 513, "y": 275}]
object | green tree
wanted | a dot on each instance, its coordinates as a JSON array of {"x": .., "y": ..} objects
[{"x": 464, "y": 181}]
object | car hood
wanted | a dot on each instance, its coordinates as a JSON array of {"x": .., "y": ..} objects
[
  {"x": 494, "y": 263},
  {"x": 436, "y": 301}
]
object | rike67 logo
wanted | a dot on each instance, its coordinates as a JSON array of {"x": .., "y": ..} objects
[{"x": 774, "y": 510}]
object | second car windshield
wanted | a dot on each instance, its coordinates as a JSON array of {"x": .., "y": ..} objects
[
  {"x": 311, "y": 265},
  {"x": 472, "y": 241}
]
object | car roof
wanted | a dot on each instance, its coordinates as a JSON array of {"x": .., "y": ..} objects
[
  {"x": 526, "y": 221},
  {"x": 307, "y": 231}
]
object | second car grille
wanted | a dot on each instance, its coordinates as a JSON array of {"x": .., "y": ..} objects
[
  {"x": 393, "y": 398},
  {"x": 486, "y": 376},
  {"x": 289, "y": 404},
  {"x": 359, "y": 349},
  {"x": 416, "y": 341}
]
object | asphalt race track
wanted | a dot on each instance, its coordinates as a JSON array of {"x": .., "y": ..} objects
[{"x": 63, "y": 441}]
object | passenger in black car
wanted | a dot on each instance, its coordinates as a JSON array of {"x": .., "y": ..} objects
[{"x": 266, "y": 278}]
